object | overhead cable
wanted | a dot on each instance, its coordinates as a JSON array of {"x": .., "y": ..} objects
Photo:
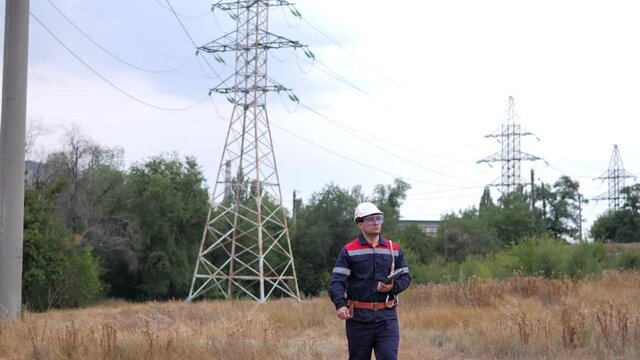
[
  {"x": 112, "y": 54},
  {"x": 191, "y": 38},
  {"x": 351, "y": 54},
  {"x": 377, "y": 145},
  {"x": 107, "y": 80},
  {"x": 182, "y": 15},
  {"x": 356, "y": 161}
]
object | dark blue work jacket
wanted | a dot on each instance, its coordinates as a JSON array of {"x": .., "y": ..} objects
[{"x": 359, "y": 267}]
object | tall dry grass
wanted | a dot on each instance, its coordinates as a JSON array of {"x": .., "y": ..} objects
[{"x": 521, "y": 318}]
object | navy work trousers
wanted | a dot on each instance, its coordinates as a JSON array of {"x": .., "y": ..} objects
[{"x": 382, "y": 336}]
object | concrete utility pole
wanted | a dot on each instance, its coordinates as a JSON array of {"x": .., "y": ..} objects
[
  {"x": 12, "y": 141},
  {"x": 533, "y": 198},
  {"x": 580, "y": 217},
  {"x": 294, "y": 210}
]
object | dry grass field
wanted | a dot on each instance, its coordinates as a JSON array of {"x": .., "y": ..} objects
[
  {"x": 522, "y": 318},
  {"x": 621, "y": 246}
]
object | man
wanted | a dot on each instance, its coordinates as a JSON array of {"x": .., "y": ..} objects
[{"x": 359, "y": 292}]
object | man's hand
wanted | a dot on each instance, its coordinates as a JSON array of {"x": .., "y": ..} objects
[
  {"x": 385, "y": 288},
  {"x": 343, "y": 313}
]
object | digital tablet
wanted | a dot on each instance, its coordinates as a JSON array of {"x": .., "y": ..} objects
[{"x": 394, "y": 275}]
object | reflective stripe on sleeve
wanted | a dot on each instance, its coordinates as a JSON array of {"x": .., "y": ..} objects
[
  {"x": 341, "y": 270},
  {"x": 405, "y": 269}
]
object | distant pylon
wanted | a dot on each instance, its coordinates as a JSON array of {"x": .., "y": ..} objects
[
  {"x": 510, "y": 156},
  {"x": 245, "y": 248},
  {"x": 615, "y": 176}
]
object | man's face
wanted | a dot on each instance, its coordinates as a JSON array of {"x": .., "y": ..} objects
[{"x": 371, "y": 224}]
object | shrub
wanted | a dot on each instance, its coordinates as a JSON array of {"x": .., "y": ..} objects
[
  {"x": 585, "y": 258},
  {"x": 627, "y": 260},
  {"x": 542, "y": 256}
]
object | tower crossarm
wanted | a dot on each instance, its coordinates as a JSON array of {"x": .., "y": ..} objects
[
  {"x": 526, "y": 156},
  {"x": 234, "y": 5},
  {"x": 234, "y": 90},
  {"x": 502, "y": 134},
  {"x": 228, "y": 42},
  {"x": 498, "y": 156},
  {"x": 613, "y": 175},
  {"x": 491, "y": 158}
]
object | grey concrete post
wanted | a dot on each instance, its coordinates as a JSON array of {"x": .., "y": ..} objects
[{"x": 12, "y": 143}]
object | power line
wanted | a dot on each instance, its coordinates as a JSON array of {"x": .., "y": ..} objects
[
  {"x": 381, "y": 140},
  {"x": 350, "y": 53},
  {"x": 112, "y": 54},
  {"x": 422, "y": 198},
  {"x": 327, "y": 70},
  {"x": 377, "y": 145},
  {"x": 190, "y": 37},
  {"x": 181, "y": 24},
  {"x": 182, "y": 15},
  {"x": 107, "y": 80},
  {"x": 350, "y": 84},
  {"x": 353, "y": 160},
  {"x": 443, "y": 191}
]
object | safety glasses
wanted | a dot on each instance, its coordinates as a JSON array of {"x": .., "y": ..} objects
[{"x": 373, "y": 219}]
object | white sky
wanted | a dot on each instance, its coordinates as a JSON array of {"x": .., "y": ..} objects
[{"x": 433, "y": 78}]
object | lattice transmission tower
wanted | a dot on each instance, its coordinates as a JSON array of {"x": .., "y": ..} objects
[
  {"x": 615, "y": 176},
  {"x": 245, "y": 248},
  {"x": 510, "y": 156}
]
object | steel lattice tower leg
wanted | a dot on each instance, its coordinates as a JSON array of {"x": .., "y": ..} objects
[{"x": 245, "y": 248}]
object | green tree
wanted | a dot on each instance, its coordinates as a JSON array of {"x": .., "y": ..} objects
[
  {"x": 486, "y": 201},
  {"x": 464, "y": 234},
  {"x": 89, "y": 176},
  {"x": 57, "y": 270},
  {"x": 621, "y": 226},
  {"x": 326, "y": 224},
  {"x": 423, "y": 246},
  {"x": 167, "y": 201},
  {"x": 511, "y": 220},
  {"x": 559, "y": 208},
  {"x": 564, "y": 216},
  {"x": 322, "y": 228},
  {"x": 631, "y": 196},
  {"x": 389, "y": 199}
]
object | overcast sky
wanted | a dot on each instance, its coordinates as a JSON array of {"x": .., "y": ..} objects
[{"x": 397, "y": 89}]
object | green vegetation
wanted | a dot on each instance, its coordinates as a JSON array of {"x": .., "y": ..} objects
[
  {"x": 493, "y": 241},
  {"x": 57, "y": 271},
  {"x": 95, "y": 230}
]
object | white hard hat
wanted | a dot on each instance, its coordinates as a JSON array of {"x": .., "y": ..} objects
[{"x": 365, "y": 209}]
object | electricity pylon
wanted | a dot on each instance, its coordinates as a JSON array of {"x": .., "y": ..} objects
[
  {"x": 245, "y": 248},
  {"x": 510, "y": 156},
  {"x": 615, "y": 176}
]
